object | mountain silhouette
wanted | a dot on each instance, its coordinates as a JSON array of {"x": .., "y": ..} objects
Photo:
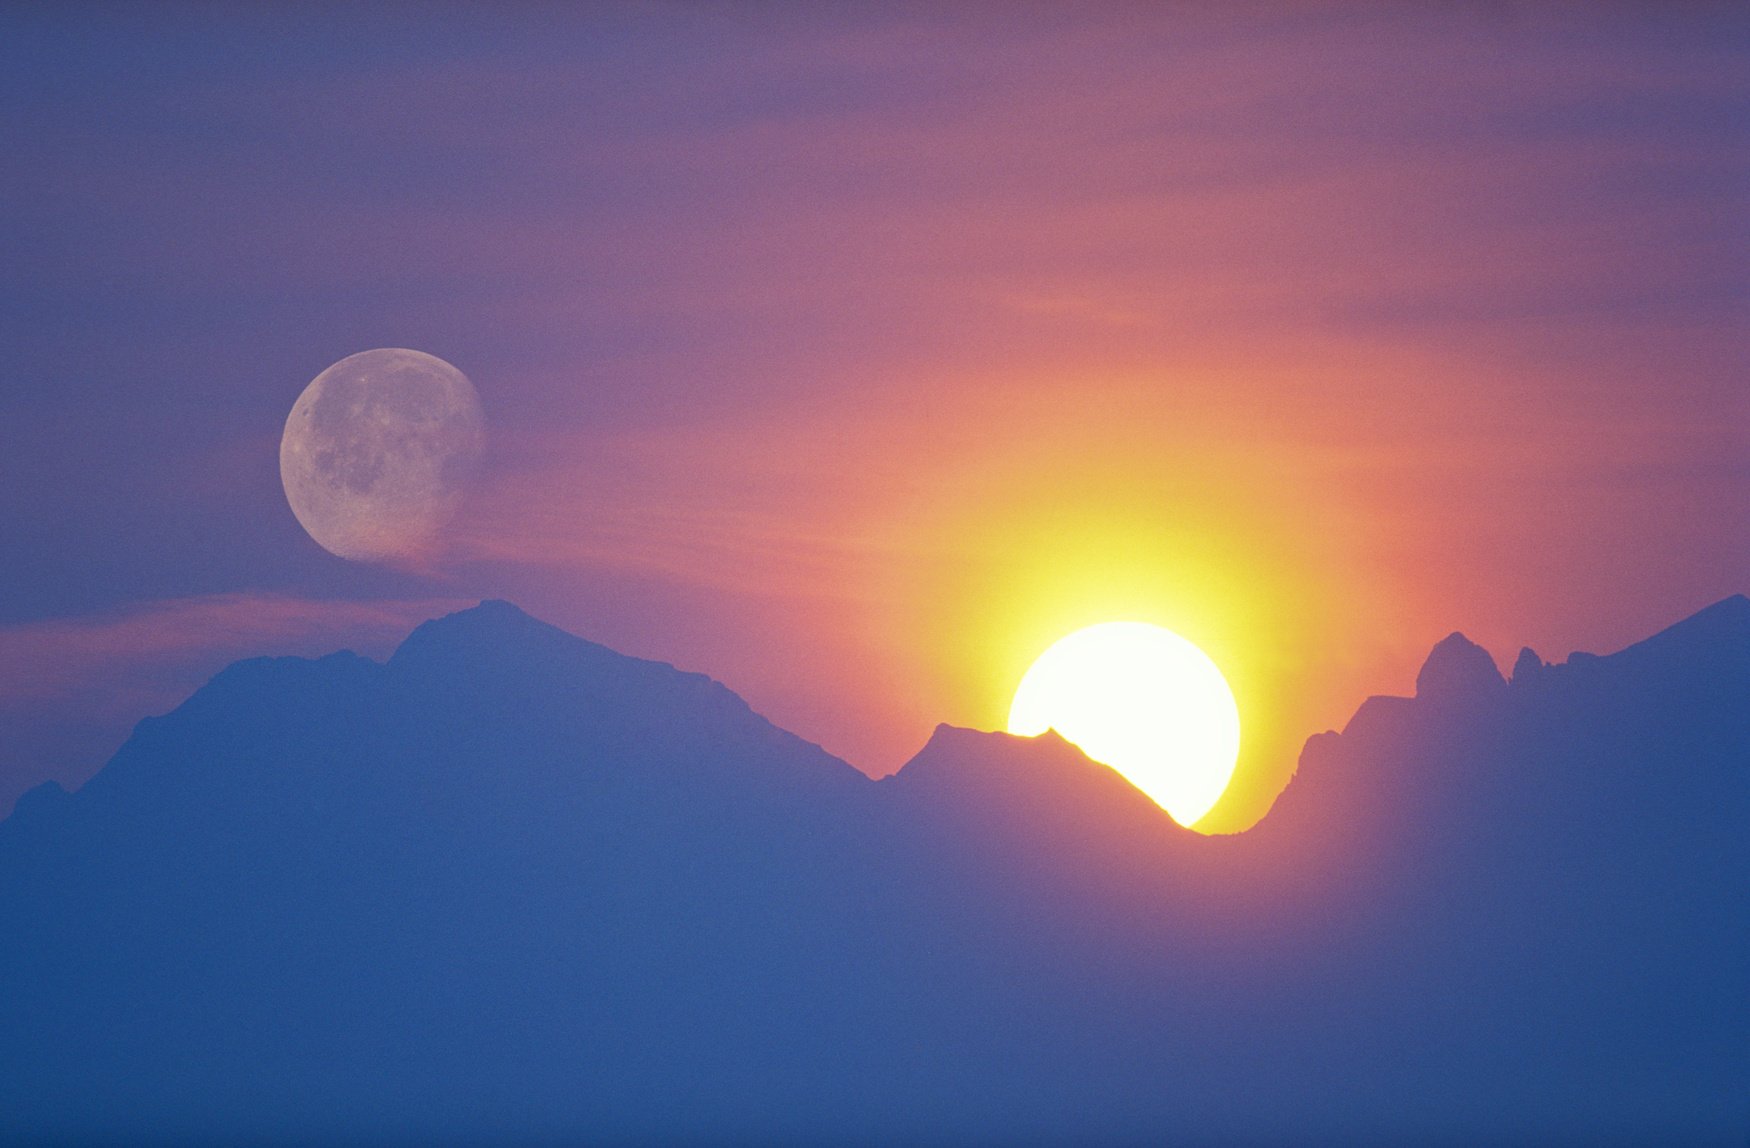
[{"x": 513, "y": 886}]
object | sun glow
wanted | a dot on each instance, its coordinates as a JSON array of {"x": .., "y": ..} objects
[{"x": 1143, "y": 700}]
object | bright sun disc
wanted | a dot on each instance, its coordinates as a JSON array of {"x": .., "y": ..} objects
[{"x": 1142, "y": 700}]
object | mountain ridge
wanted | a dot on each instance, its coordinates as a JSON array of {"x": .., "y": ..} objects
[
  {"x": 1455, "y": 667},
  {"x": 511, "y": 885}
]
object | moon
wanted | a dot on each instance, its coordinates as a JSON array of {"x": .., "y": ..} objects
[
  {"x": 1143, "y": 700},
  {"x": 378, "y": 452}
]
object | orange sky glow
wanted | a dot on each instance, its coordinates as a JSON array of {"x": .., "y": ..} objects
[{"x": 855, "y": 359}]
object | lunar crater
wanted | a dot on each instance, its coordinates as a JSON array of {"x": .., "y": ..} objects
[{"x": 378, "y": 452}]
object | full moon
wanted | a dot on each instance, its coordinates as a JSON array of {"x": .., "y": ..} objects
[
  {"x": 378, "y": 451},
  {"x": 1142, "y": 700}
]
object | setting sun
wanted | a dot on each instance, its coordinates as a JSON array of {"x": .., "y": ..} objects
[{"x": 1142, "y": 700}]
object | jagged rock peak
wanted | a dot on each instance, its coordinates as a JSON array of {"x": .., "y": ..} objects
[
  {"x": 946, "y": 736},
  {"x": 1458, "y": 668},
  {"x": 952, "y": 741},
  {"x": 490, "y": 614},
  {"x": 955, "y": 751},
  {"x": 1527, "y": 666},
  {"x": 493, "y": 622}
]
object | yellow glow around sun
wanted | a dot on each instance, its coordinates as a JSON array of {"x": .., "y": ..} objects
[{"x": 1142, "y": 700}]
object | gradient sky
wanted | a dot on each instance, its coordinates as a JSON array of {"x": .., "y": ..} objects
[{"x": 852, "y": 356}]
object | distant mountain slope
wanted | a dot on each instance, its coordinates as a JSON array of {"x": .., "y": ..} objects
[{"x": 511, "y": 885}]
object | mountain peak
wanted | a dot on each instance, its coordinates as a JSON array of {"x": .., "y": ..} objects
[
  {"x": 490, "y": 626},
  {"x": 954, "y": 747},
  {"x": 946, "y": 738},
  {"x": 1458, "y": 669},
  {"x": 492, "y": 614},
  {"x": 494, "y": 608},
  {"x": 1046, "y": 778},
  {"x": 1726, "y": 621},
  {"x": 1527, "y": 666},
  {"x": 1735, "y": 606}
]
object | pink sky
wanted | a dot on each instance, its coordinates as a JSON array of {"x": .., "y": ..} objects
[{"x": 850, "y": 357}]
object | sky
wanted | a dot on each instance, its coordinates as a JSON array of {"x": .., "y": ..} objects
[{"x": 853, "y": 354}]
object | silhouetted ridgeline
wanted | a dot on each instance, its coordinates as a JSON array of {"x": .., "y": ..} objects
[{"x": 512, "y": 885}]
